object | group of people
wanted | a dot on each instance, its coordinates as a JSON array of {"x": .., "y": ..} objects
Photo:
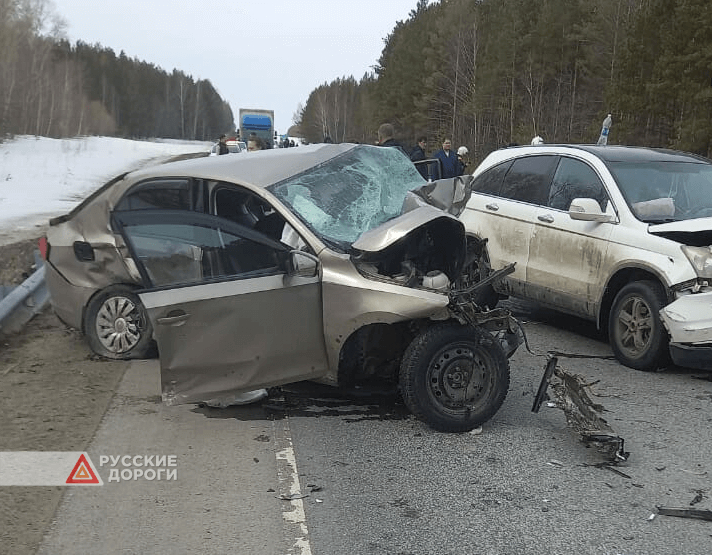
[
  {"x": 451, "y": 163},
  {"x": 253, "y": 143}
]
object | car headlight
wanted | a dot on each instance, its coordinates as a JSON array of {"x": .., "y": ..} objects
[{"x": 701, "y": 260}]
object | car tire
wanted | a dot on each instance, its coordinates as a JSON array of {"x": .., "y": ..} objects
[
  {"x": 476, "y": 268},
  {"x": 454, "y": 377},
  {"x": 636, "y": 333},
  {"x": 117, "y": 326}
]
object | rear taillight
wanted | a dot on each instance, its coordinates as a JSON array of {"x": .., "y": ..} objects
[{"x": 44, "y": 248}]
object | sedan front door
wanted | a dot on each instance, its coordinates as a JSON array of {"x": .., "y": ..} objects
[{"x": 227, "y": 315}]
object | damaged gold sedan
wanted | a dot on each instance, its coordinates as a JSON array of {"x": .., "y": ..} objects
[{"x": 331, "y": 263}]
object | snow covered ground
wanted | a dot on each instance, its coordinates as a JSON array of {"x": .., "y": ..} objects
[{"x": 41, "y": 177}]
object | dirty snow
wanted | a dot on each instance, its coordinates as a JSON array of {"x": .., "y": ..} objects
[{"x": 41, "y": 177}]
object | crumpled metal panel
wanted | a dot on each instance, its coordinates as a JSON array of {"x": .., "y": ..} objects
[{"x": 689, "y": 318}]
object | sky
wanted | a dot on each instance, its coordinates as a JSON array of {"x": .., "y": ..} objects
[
  {"x": 267, "y": 54},
  {"x": 41, "y": 177}
]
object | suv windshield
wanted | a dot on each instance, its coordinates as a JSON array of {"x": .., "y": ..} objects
[
  {"x": 348, "y": 195},
  {"x": 665, "y": 191}
]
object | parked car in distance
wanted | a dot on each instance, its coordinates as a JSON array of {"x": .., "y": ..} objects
[
  {"x": 333, "y": 263},
  {"x": 618, "y": 235},
  {"x": 233, "y": 147}
]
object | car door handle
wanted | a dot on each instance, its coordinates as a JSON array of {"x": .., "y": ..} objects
[
  {"x": 492, "y": 206},
  {"x": 548, "y": 218},
  {"x": 174, "y": 318}
]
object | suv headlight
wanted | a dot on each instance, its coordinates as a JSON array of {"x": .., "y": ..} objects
[{"x": 701, "y": 260}]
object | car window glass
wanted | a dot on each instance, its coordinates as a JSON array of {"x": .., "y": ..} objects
[
  {"x": 351, "y": 193},
  {"x": 176, "y": 254},
  {"x": 244, "y": 208},
  {"x": 490, "y": 182},
  {"x": 528, "y": 179},
  {"x": 661, "y": 190},
  {"x": 165, "y": 194},
  {"x": 575, "y": 179}
]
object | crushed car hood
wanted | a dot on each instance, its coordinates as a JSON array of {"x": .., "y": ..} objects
[
  {"x": 426, "y": 237},
  {"x": 436, "y": 199},
  {"x": 695, "y": 233}
]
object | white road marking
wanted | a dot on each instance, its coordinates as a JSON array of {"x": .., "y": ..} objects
[{"x": 290, "y": 489}]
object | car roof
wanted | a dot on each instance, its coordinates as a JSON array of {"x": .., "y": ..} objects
[
  {"x": 257, "y": 169},
  {"x": 616, "y": 153}
]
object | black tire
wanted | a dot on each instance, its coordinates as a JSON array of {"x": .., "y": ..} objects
[
  {"x": 117, "y": 326},
  {"x": 636, "y": 333},
  {"x": 453, "y": 377},
  {"x": 476, "y": 268}
]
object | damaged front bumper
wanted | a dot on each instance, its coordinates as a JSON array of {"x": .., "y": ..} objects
[{"x": 689, "y": 323}]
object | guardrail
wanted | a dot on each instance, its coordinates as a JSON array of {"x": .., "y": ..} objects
[{"x": 23, "y": 302}]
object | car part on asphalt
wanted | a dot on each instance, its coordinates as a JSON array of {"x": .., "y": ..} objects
[
  {"x": 684, "y": 512},
  {"x": 116, "y": 324},
  {"x": 582, "y": 414}
]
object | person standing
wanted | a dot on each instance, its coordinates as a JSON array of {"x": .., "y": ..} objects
[
  {"x": 462, "y": 160},
  {"x": 385, "y": 137},
  {"x": 222, "y": 146},
  {"x": 418, "y": 155},
  {"x": 418, "y": 152},
  {"x": 254, "y": 143},
  {"x": 449, "y": 164}
]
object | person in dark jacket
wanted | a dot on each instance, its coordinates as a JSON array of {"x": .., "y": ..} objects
[
  {"x": 418, "y": 152},
  {"x": 385, "y": 137},
  {"x": 222, "y": 148},
  {"x": 449, "y": 164}
]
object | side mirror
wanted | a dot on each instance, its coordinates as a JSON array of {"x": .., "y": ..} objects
[
  {"x": 302, "y": 264},
  {"x": 588, "y": 210}
]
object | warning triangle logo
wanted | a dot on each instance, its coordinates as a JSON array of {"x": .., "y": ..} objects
[{"x": 83, "y": 472}]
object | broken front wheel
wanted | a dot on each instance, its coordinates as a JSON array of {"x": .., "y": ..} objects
[{"x": 454, "y": 377}]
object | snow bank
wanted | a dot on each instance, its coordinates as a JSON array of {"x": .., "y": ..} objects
[{"x": 41, "y": 177}]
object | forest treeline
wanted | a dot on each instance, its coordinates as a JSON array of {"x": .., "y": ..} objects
[
  {"x": 51, "y": 88},
  {"x": 487, "y": 73},
  {"x": 484, "y": 73}
]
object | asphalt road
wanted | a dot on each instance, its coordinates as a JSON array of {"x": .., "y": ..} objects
[{"x": 367, "y": 478}]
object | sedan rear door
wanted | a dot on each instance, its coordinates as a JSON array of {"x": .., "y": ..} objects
[{"x": 227, "y": 315}]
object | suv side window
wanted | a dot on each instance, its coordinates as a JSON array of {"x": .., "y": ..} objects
[
  {"x": 529, "y": 178},
  {"x": 575, "y": 179},
  {"x": 166, "y": 194},
  {"x": 490, "y": 182}
]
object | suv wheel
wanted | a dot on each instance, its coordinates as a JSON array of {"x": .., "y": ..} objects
[
  {"x": 636, "y": 333},
  {"x": 117, "y": 325},
  {"x": 454, "y": 377}
]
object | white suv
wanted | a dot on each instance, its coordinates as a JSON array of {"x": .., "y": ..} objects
[{"x": 618, "y": 235}]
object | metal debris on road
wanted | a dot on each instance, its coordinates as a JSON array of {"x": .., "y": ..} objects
[
  {"x": 582, "y": 414},
  {"x": 702, "y": 514}
]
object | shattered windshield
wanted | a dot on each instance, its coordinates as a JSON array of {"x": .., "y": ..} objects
[
  {"x": 351, "y": 193},
  {"x": 665, "y": 191}
]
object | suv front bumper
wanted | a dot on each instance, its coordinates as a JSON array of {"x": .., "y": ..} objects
[{"x": 689, "y": 323}]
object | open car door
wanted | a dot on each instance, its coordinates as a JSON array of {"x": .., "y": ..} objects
[{"x": 228, "y": 314}]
